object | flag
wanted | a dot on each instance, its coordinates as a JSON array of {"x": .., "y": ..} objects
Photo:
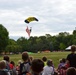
[{"x": 28, "y": 31}]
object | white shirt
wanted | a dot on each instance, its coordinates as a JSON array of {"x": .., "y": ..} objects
[{"x": 48, "y": 70}]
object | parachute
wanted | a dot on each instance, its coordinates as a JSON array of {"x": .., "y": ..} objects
[{"x": 30, "y": 19}]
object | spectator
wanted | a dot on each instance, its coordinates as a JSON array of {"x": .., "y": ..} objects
[
  {"x": 7, "y": 59},
  {"x": 18, "y": 67},
  {"x": 62, "y": 63},
  {"x": 71, "y": 58},
  {"x": 48, "y": 69},
  {"x": 71, "y": 71},
  {"x": 3, "y": 70},
  {"x": 44, "y": 60},
  {"x": 62, "y": 67},
  {"x": 25, "y": 66},
  {"x": 13, "y": 69},
  {"x": 11, "y": 65},
  {"x": 36, "y": 67},
  {"x": 31, "y": 59}
]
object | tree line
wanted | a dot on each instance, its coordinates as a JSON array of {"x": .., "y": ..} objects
[{"x": 34, "y": 43}]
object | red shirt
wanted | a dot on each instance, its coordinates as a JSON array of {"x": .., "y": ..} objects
[{"x": 11, "y": 66}]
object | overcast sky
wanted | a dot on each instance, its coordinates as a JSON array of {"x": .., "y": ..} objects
[{"x": 54, "y": 16}]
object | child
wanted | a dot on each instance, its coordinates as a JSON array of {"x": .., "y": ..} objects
[
  {"x": 13, "y": 69},
  {"x": 48, "y": 70},
  {"x": 71, "y": 71},
  {"x": 36, "y": 67},
  {"x": 3, "y": 70},
  {"x": 44, "y": 60},
  {"x": 25, "y": 66},
  {"x": 18, "y": 67},
  {"x": 61, "y": 67},
  {"x": 7, "y": 59}
]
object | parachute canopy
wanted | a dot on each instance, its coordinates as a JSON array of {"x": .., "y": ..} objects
[{"x": 29, "y": 19}]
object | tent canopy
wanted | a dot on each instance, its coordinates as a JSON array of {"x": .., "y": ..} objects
[{"x": 68, "y": 48}]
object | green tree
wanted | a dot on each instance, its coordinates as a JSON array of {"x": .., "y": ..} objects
[
  {"x": 62, "y": 46},
  {"x": 13, "y": 46},
  {"x": 23, "y": 42},
  {"x": 74, "y": 37},
  {"x": 74, "y": 32},
  {"x": 3, "y": 38},
  {"x": 33, "y": 45}
]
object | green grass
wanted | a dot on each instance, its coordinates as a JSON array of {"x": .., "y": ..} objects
[{"x": 55, "y": 56}]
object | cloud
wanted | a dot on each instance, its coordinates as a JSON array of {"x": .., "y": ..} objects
[{"x": 54, "y": 16}]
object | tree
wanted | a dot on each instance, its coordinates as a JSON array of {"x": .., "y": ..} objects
[
  {"x": 23, "y": 42},
  {"x": 62, "y": 46},
  {"x": 3, "y": 38},
  {"x": 74, "y": 32},
  {"x": 13, "y": 46}
]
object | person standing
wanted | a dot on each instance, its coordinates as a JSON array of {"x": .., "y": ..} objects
[
  {"x": 25, "y": 66},
  {"x": 7, "y": 59},
  {"x": 71, "y": 58}
]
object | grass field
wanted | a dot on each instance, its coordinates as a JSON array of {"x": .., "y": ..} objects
[{"x": 55, "y": 56}]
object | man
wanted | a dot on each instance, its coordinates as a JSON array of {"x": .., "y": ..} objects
[{"x": 71, "y": 58}]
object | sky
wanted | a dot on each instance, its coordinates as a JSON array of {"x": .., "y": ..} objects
[{"x": 54, "y": 16}]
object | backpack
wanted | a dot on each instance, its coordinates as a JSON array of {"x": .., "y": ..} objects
[
  {"x": 2, "y": 72},
  {"x": 7, "y": 66},
  {"x": 24, "y": 68}
]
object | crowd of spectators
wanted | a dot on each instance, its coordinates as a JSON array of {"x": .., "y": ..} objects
[{"x": 28, "y": 65}]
